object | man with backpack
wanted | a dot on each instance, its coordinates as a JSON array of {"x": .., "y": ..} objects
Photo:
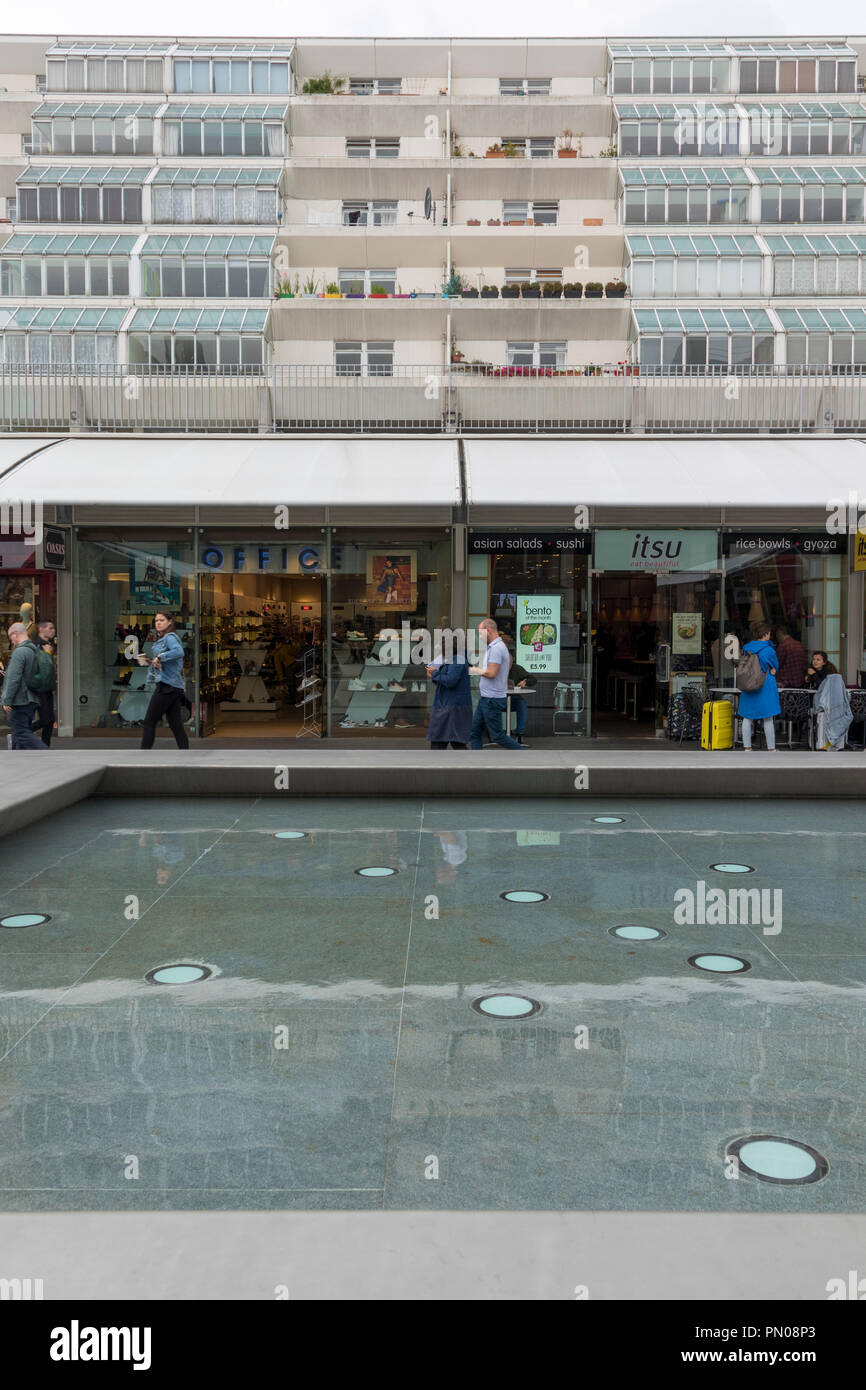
[
  {"x": 43, "y": 724},
  {"x": 21, "y": 688}
]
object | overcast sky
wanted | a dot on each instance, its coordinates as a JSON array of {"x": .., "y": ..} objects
[{"x": 444, "y": 17}]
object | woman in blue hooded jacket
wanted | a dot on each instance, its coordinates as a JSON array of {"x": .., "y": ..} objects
[
  {"x": 451, "y": 715},
  {"x": 764, "y": 703}
]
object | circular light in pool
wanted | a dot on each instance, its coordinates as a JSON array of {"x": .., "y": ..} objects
[
  {"x": 608, "y": 820},
  {"x": 25, "y": 919},
  {"x": 783, "y": 1161},
  {"x": 637, "y": 933},
  {"x": 524, "y": 895},
  {"x": 290, "y": 834},
  {"x": 720, "y": 965},
  {"x": 733, "y": 868},
  {"x": 376, "y": 871},
  {"x": 506, "y": 1006},
  {"x": 184, "y": 974}
]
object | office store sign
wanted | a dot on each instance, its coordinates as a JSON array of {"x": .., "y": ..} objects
[{"x": 656, "y": 552}]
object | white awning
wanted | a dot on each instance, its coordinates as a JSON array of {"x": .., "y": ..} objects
[
  {"x": 245, "y": 472},
  {"x": 683, "y": 472},
  {"x": 13, "y": 449}
]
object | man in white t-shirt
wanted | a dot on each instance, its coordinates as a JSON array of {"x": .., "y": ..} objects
[{"x": 493, "y": 685}]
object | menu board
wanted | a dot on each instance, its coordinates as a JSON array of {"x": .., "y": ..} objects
[
  {"x": 538, "y": 633},
  {"x": 687, "y": 634}
]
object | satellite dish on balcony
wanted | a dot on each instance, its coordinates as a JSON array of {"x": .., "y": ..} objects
[{"x": 428, "y": 204}]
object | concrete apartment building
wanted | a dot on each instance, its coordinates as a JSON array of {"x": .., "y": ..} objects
[{"x": 435, "y": 294}]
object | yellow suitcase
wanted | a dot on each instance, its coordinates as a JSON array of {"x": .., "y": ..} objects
[{"x": 717, "y": 724}]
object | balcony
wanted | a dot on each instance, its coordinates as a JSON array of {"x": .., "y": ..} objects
[{"x": 434, "y": 399}]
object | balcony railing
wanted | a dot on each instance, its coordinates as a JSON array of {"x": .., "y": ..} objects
[{"x": 432, "y": 399}]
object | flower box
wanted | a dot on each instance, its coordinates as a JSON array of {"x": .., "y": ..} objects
[
  {"x": 515, "y": 223},
  {"x": 473, "y": 222},
  {"x": 333, "y": 296},
  {"x": 493, "y": 222},
  {"x": 402, "y": 296},
  {"x": 593, "y": 294},
  {"x": 593, "y": 222},
  {"x": 354, "y": 296},
  {"x": 510, "y": 291},
  {"x": 566, "y": 154},
  {"x": 494, "y": 154},
  {"x": 573, "y": 292},
  {"x": 377, "y": 296},
  {"x": 531, "y": 291},
  {"x": 490, "y": 292},
  {"x": 469, "y": 294},
  {"x": 615, "y": 294}
]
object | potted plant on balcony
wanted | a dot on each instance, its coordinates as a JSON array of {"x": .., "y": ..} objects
[
  {"x": 493, "y": 222},
  {"x": 353, "y": 294},
  {"x": 594, "y": 289},
  {"x": 332, "y": 290},
  {"x": 510, "y": 150},
  {"x": 573, "y": 289},
  {"x": 615, "y": 289},
  {"x": 284, "y": 289},
  {"x": 510, "y": 291},
  {"x": 324, "y": 85},
  {"x": 489, "y": 291},
  {"x": 566, "y": 145},
  {"x": 609, "y": 153},
  {"x": 453, "y": 286},
  {"x": 310, "y": 290},
  {"x": 378, "y": 292},
  {"x": 552, "y": 290},
  {"x": 494, "y": 152},
  {"x": 400, "y": 294},
  {"x": 473, "y": 221},
  {"x": 530, "y": 291},
  {"x": 469, "y": 292}
]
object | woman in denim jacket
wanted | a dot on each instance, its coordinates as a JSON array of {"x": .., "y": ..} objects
[{"x": 166, "y": 672}]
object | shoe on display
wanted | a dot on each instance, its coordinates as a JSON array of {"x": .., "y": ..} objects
[
  {"x": 373, "y": 661},
  {"x": 348, "y": 724},
  {"x": 377, "y": 685},
  {"x": 380, "y": 724},
  {"x": 402, "y": 724},
  {"x": 357, "y": 685},
  {"x": 308, "y": 680},
  {"x": 395, "y": 685}
]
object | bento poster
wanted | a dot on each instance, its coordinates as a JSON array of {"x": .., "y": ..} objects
[
  {"x": 392, "y": 579},
  {"x": 537, "y": 637},
  {"x": 688, "y": 635}
]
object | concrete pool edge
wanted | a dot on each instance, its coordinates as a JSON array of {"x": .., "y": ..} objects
[
  {"x": 418, "y": 1255},
  {"x": 32, "y": 788}
]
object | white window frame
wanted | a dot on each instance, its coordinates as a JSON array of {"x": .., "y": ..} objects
[
  {"x": 365, "y": 353},
  {"x": 375, "y": 86},
  {"x": 229, "y": 58},
  {"x": 656, "y": 65},
  {"x": 528, "y": 86},
  {"x": 557, "y": 349},
  {"x": 369, "y": 147},
  {"x": 367, "y": 278},
  {"x": 378, "y": 212},
  {"x": 53, "y": 63}
]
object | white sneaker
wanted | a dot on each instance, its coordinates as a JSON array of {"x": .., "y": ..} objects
[
  {"x": 308, "y": 680},
  {"x": 347, "y": 723},
  {"x": 357, "y": 685}
]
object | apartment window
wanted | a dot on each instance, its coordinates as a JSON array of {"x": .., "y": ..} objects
[
  {"x": 74, "y": 276},
  {"x": 364, "y": 359},
  {"x": 373, "y": 149},
  {"x": 235, "y": 75},
  {"x": 812, "y": 203},
  {"x": 375, "y": 86},
  {"x": 210, "y": 277},
  {"x": 235, "y": 352},
  {"x": 209, "y": 203},
  {"x": 670, "y": 76},
  {"x": 379, "y": 213},
  {"x": 86, "y": 135},
  {"x": 774, "y": 133},
  {"x": 542, "y": 214},
  {"x": 797, "y": 74},
  {"x": 687, "y": 134},
  {"x": 104, "y": 75},
  {"x": 80, "y": 203},
  {"x": 249, "y": 138},
  {"x": 58, "y": 349},
  {"x": 362, "y": 281},
  {"x": 523, "y": 275},
  {"x": 700, "y": 204},
  {"x": 663, "y": 276},
  {"x": 524, "y": 86},
  {"x": 550, "y": 356},
  {"x": 532, "y": 147}
]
